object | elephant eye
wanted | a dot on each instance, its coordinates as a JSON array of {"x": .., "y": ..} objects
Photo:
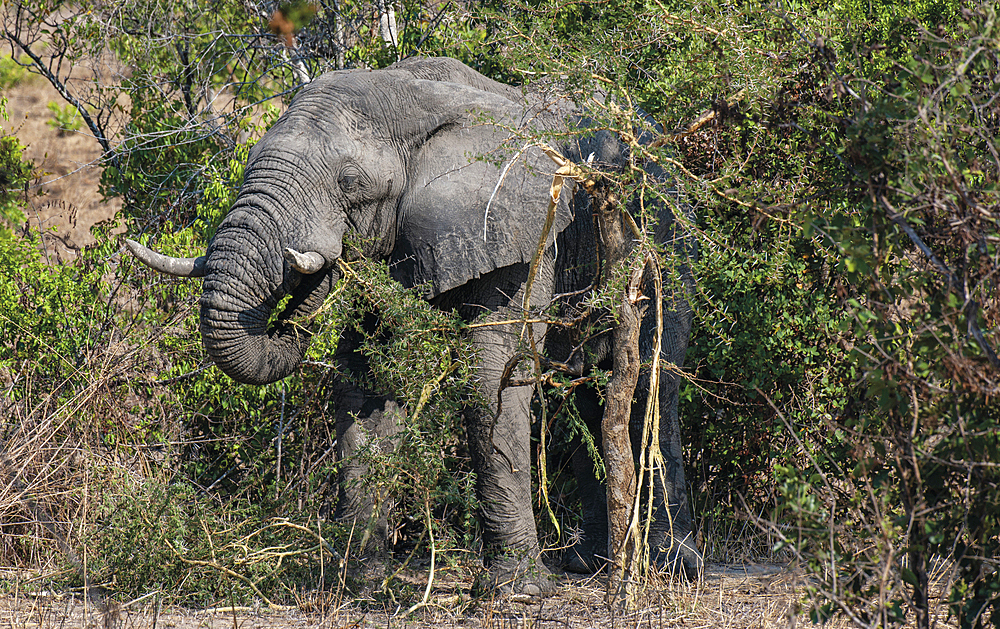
[{"x": 348, "y": 181}]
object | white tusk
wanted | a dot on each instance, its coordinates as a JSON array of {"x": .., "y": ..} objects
[
  {"x": 180, "y": 267},
  {"x": 306, "y": 263}
]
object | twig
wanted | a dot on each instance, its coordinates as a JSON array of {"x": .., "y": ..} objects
[
  {"x": 496, "y": 188},
  {"x": 971, "y": 307},
  {"x": 61, "y": 88},
  {"x": 225, "y": 570},
  {"x": 430, "y": 577}
]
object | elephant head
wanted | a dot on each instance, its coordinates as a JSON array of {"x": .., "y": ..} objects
[{"x": 389, "y": 155}]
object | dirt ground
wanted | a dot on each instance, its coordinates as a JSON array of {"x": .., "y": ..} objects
[{"x": 757, "y": 596}]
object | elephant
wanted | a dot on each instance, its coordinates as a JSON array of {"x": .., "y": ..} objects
[{"x": 396, "y": 157}]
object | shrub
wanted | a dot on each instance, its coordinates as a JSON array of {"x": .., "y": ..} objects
[
  {"x": 917, "y": 251},
  {"x": 15, "y": 173},
  {"x": 163, "y": 534},
  {"x": 65, "y": 119}
]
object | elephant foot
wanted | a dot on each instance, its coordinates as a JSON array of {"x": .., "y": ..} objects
[
  {"x": 363, "y": 575},
  {"x": 678, "y": 556},
  {"x": 585, "y": 557},
  {"x": 508, "y": 575}
]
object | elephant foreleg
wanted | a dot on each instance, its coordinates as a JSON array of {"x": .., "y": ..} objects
[
  {"x": 500, "y": 435},
  {"x": 366, "y": 426},
  {"x": 501, "y": 456}
]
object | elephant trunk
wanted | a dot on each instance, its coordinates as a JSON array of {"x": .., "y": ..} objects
[
  {"x": 246, "y": 279},
  {"x": 246, "y": 349}
]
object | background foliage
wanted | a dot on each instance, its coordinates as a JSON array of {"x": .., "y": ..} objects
[{"x": 842, "y": 377}]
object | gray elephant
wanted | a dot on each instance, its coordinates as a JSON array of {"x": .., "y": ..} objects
[{"x": 396, "y": 156}]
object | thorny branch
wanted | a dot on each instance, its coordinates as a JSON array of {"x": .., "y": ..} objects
[{"x": 970, "y": 307}]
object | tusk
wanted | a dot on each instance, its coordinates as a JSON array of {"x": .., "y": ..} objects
[
  {"x": 180, "y": 267},
  {"x": 306, "y": 263}
]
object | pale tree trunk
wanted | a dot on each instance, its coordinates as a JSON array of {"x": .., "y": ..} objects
[
  {"x": 387, "y": 24},
  {"x": 618, "y": 456},
  {"x": 338, "y": 37},
  {"x": 298, "y": 67}
]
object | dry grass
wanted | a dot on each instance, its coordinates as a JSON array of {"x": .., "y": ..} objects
[{"x": 48, "y": 481}]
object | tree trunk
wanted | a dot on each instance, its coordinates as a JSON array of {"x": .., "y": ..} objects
[
  {"x": 615, "y": 244},
  {"x": 387, "y": 25}
]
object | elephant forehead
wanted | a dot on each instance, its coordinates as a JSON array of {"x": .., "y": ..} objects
[
  {"x": 321, "y": 152},
  {"x": 365, "y": 103}
]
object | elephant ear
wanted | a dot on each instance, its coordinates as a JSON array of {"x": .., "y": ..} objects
[{"x": 477, "y": 196}]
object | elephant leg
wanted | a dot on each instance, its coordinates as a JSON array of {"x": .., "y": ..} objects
[
  {"x": 359, "y": 507},
  {"x": 590, "y": 551},
  {"x": 501, "y": 455},
  {"x": 499, "y": 439},
  {"x": 365, "y": 423},
  {"x": 671, "y": 537}
]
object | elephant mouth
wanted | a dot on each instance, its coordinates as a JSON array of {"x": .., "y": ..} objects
[{"x": 299, "y": 297}]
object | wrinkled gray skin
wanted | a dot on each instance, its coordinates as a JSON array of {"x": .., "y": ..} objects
[{"x": 390, "y": 155}]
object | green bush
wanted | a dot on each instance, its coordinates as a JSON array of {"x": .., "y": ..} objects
[
  {"x": 918, "y": 256},
  {"x": 162, "y": 534},
  {"x": 15, "y": 173},
  {"x": 51, "y": 310},
  {"x": 65, "y": 119}
]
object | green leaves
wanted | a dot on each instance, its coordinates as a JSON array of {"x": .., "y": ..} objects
[
  {"x": 47, "y": 310},
  {"x": 415, "y": 354},
  {"x": 65, "y": 119},
  {"x": 15, "y": 173},
  {"x": 846, "y": 285}
]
